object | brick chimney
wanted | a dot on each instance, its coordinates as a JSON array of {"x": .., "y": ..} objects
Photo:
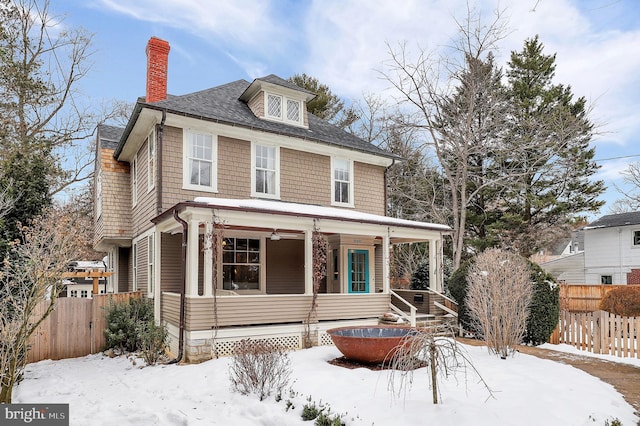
[{"x": 157, "y": 65}]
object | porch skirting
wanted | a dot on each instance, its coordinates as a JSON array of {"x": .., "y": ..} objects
[{"x": 199, "y": 345}]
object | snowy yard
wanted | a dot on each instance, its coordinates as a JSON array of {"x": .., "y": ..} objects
[{"x": 527, "y": 391}]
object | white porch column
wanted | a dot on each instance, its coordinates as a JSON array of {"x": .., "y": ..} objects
[
  {"x": 308, "y": 262},
  {"x": 435, "y": 265},
  {"x": 208, "y": 261},
  {"x": 192, "y": 258},
  {"x": 386, "y": 285}
]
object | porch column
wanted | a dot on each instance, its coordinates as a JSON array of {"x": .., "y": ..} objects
[
  {"x": 308, "y": 262},
  {"x": 435, "y": 265},
  {"x": 192, "y": 258},
  {"x": 385, "y": 263},
  {"x": 208, "y": 261}
]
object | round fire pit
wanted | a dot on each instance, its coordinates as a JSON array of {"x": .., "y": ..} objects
[{"x": 369, "y": 344}]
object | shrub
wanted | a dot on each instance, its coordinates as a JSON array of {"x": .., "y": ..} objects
[
  {"x": 623, "y": 301},
  {"x": 458, "y": 290},
  {"x": 125, "y": 324},
  {"x": 259, "y": 367},
  {"x": 153, "y": 341},
  {"x": 544, "y": 311},
  {"x": 498, "y": 299},
  {"x": 420, "y": 278}
]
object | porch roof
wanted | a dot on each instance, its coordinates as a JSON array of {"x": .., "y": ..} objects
[{"x": 302, "y": 210}]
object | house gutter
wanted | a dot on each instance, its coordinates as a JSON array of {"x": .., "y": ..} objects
[{"x": 183, "y": 282}]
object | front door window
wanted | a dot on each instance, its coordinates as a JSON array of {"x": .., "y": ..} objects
[{"x": 358, "y": 271}]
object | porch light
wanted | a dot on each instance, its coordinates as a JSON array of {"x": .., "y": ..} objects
[{"x": 275, "y": 236}]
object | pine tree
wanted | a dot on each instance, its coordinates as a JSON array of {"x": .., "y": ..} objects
[{"x": 550, "y": 161}]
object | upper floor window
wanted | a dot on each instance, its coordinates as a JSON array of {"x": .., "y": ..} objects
[
  {"x": 284, "y": 109},
  {"x": 636, "y": 238},
  {"x": 266, "y": 171},
  {"x": 99, "y": 193},
  {"x": 200, "y": 161},
  {"x": 134, "y": 181},
  {"x": 342, "y": 182},
  {"x": 151, "y": 161}
]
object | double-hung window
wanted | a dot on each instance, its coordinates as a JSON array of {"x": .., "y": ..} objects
[
  {"x": 284, "y": 109},
  {"x": 342, "y": 182},
  {"x": 134, "y": 181},
  {"x": 265, "y": 179},
  {"x": 151, "y": 161},
  {"x": 200, "y": 161}
]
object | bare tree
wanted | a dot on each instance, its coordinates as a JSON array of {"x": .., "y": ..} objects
[
  {"x": 435, "y": 347},
  {"x": 41, "y": 107},
  {"x": 429, "y": 84},
  {"x": 631, "y": 198},
  {"x": 319, "y": 244},
  {"x": 498, "y": 299},
  {"x": 30, "y": 275}
]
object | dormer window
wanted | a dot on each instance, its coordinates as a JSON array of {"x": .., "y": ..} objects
[{"x": 283, "y": 109}]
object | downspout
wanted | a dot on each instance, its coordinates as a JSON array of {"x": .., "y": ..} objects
[
  {"x": 159, "y": 163},
  {"x": 183, "y": 280}
]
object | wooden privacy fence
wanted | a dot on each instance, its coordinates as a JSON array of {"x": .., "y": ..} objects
[
  {"x": 600, "y": 332},
  {"x": 74, "y": 328},
  {"x": 583, "y": 297}
]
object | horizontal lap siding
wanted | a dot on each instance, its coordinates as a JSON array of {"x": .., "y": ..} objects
[
  {"x": 171, "y": 263},
  {"x": 170, "y": 308},
  {"x": 252, "y": 310}
]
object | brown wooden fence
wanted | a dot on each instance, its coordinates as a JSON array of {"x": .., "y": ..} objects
[
  {"x": 74, "y": 328},
  {"x": 600, "y": 332},
  {"x": 583, "y": 297}
]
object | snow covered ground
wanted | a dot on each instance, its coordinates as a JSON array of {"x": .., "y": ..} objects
[{"x": 526, "y": 391}]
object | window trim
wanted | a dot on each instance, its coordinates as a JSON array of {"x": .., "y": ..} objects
[
  {"x": 151, "y": 253},
  {"x": 134, "y": 266},
  {"x": 134, "y": 180},
  {"x": 254, "y": 193},
  {"x": 99, "y": 193},
  {"x": 350, "y": 203},
  {"x": 261, "y": 264},
  {"x": 284, "y": 109},
  {"x": 186, "y": 172},
  {"x": 151, "y": 160}
]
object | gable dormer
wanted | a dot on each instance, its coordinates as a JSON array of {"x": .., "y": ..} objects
[{"x": 274, "y": 99}]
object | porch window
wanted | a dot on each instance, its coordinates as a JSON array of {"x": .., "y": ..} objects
[
  {"x": 342, "y": 180},
  {"x": 241, "y": 264},
  {"x": 266, "y": 175},
  {"x": 200, "y": 161}
]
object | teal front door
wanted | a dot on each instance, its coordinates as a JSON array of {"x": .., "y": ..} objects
[{"x": 358, "y": 271}]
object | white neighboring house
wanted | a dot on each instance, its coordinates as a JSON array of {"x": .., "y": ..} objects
[
  {"x": 82, "y": 287},
  {"x": 611, "y": 253}
]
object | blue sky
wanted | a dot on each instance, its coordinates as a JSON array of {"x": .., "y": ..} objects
[{"x": 344, "y": 44}]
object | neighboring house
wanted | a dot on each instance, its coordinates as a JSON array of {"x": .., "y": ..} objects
[
  {"x": 611, "y": 253},
  {"x": 83, "y": 286},
  {"x": 247, "y": 161}
]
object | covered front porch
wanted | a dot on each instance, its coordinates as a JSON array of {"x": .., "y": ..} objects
[{"x": 233, "y": 269}]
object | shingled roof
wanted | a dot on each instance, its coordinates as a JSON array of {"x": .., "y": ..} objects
[
  {"x": 221, "y": 104},
  {"x": 109, "y": 135},
  {"x": 612, "y": 220}
]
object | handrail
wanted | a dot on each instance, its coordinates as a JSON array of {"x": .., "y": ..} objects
[
  {"x": 444, "y": 308},
  {"x": 443, "y": 296},
  {"x": 412, "y": 309}
]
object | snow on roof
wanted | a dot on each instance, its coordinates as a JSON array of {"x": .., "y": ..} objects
[
  {"x": 86, "y": 264},
  {"x": 320, "y": 211}
]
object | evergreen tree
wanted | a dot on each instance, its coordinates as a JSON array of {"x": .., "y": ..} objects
[
  {"x": 325, "y": 105},
  {"x": 550, "y": 161}
]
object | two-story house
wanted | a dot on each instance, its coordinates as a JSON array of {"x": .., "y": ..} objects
[
  {"x": 611, "y": 253},
  {"x": 208, "y": 203}
]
